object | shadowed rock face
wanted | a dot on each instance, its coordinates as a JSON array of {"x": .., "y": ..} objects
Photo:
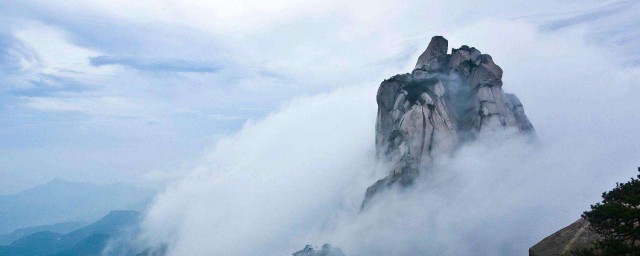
[{"x": 446, "y": 100}]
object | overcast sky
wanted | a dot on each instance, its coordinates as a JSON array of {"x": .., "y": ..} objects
[{"x": 136, "y": 91}]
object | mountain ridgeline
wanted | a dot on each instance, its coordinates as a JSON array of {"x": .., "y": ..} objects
[
  {"x": 61, "y": 228},
  {"x": 91, "y": 239},
  {"x": 61, "y": 201},
  {"x": 447, "y": 100}
]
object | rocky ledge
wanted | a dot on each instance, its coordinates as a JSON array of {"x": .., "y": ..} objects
[
  {"x": 566, "y": 241},
  {"x": 447, "y": 100}
]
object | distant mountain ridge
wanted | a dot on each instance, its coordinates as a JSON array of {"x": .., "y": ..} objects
[
  {"x": 61, "y": 228},
  {"x": 88, "y": 240},
  {"x": 63, "y": 201}
]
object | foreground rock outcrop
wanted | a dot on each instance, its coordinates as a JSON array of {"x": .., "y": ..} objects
[
  {"x": 326, "y": 250},
  {"x": 447, "y": 100},
  {"x": 572, "y": 238}
]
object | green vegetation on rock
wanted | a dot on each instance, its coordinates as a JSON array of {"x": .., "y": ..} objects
[{"x": 617, "y": 220}]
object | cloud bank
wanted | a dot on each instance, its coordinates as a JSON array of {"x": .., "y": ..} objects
[
  {"x": 161, "y": 70},
  {"x": 275, "y": 178},
  {"x": 298, "y": 176}
]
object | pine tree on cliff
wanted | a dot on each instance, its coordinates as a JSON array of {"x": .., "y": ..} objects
[{"x": 617, "y": 220}]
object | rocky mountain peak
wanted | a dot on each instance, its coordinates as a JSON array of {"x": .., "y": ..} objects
[
  {"x": 447, "y": 100},
  {"x": 437, "y": 49}
]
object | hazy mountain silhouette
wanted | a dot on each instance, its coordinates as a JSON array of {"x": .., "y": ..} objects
[
  {"x": 64, "y": 201},
  {"x": 61, "y": 228},
  {"x": 88, "y": 240}
]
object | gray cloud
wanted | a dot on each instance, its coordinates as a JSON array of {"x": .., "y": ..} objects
[
  {"x": 601, "y": 12},
  {"x": 155, "y": 65},
  {"x": 15, "y": 55},
  {"x": 612, "y": 24}
]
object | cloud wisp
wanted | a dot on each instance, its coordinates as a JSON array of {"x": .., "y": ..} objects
[{"x": 154, "y": 65}]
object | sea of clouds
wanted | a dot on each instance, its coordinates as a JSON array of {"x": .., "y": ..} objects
[
  {"x": 157, "y": 81},
  {"x": 298, "y": 176}
]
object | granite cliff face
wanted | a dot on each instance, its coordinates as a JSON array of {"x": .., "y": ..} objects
[{"x": 447, "y": 100}]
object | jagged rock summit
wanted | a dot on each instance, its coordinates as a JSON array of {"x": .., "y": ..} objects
[{"x": 447, "y": 100}]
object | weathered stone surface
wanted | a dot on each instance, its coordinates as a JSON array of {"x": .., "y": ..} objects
[
  {"x": 485, "y": 94},
  {"x": 419, "y": 74},
  {"x": 447, "y": 100},
  {"x": 487, "y": 73},
  {"x": 460, "y": 60},
  {"x": 475, "y": 56},
  {"x": 417, "y": 129},
  {"x": 573, "y": 237},
  {"x": 386, "y": 98},
  {"x": 521, "y": 120},
  {"x": 326, "y": 250},
  {"x": 437, "y": 49}
]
